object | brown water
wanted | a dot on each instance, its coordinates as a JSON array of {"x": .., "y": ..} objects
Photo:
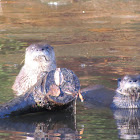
[{"x": 97, "y": 39}]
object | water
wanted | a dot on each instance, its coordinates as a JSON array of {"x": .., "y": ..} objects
[{"x": 98, "y": 40}]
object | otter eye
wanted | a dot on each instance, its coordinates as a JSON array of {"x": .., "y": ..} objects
[
  {"x": 135, "y": 80},
  {"x": 43, "y": 49},
  {"x": 130, "y": 81}
]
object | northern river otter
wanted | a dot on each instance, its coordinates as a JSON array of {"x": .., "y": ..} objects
[
  {"x": 127, "y": 93},
  {"x": 39, "y": 58}
]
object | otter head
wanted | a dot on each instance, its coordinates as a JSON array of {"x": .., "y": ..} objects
[
  {"x": 40, "y": 57},
  {"x": 128, "y": 92},
  {"x": 129, "y": 86}
]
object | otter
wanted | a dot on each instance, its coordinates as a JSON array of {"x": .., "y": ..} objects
[
  {"x": 127, "y": 95},
  {"x": 39, "y": 59}
]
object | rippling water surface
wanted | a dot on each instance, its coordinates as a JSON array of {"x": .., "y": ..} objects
[{"x": 97, "y": 39}]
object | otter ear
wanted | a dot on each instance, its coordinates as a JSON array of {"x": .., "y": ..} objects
[{"x": 119, "y": 80}]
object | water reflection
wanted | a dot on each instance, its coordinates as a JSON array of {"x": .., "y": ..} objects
[
  {"x": 54, "y": 126},
  {"x": 128, "y": 123}
]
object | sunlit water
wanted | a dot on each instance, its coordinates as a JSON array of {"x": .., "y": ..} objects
[{"x": 98, "y": 40}]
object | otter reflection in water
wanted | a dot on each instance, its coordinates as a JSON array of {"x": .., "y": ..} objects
[
  {"x": 39, "y": 58},
  {"x": 42, "y": 126},
  {"x": 128, "y": 123}
]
